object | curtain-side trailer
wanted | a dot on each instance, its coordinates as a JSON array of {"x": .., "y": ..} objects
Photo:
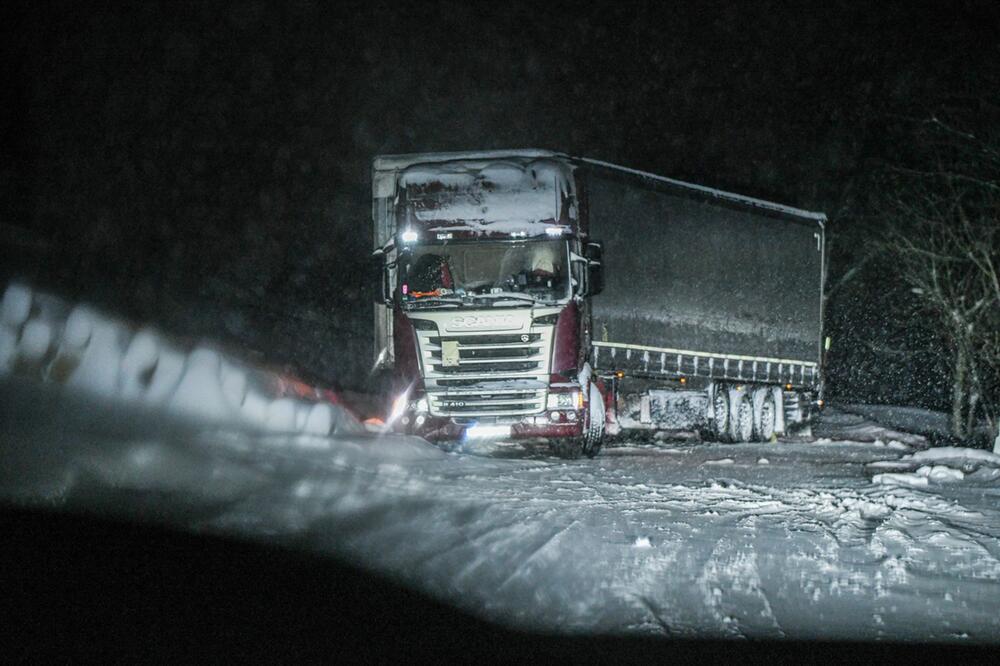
[
  {"x": 711, "y": 315},
  {"x": 528, "y": 293}
]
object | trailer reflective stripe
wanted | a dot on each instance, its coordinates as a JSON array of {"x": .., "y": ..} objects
[{"x": 687, "y": 352}]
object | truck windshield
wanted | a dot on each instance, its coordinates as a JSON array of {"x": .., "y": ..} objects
[{"x": 485, "y": 273}]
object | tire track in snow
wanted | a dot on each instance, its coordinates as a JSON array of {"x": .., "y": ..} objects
[
  {"x": 733, "y": 592},
  {"x": 535, "y": 552},
  {"x": 474, "y": 543}
]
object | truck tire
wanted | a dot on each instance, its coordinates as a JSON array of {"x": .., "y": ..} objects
[
  {"x": 592, "y": 440},
  {"x": 593, "y": 436},
  {"x": 720, "y": 406},
  {"x": 766, "y": 418},
  {"x": 741, "y": 429}
]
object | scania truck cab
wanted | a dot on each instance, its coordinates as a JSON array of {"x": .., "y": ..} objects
[{"x": 483, "y": 315}]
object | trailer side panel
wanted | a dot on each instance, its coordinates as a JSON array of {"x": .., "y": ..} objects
[{"x": 688, "y": 270}]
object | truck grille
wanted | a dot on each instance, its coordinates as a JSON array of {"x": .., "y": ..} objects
[
  {"x": 488, "y": 368},
  {"x": 492, "y": 375}
]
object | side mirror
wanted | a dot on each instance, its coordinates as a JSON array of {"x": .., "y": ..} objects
[
  {"x": 595, "y": 267},
  {"x": 377, "y": 276}
]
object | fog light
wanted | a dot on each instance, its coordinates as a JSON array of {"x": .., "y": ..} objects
[
  {"x": 571, "y": 416},
  {"x": 420, "y": 420},
  {"x": 405, "y": 420},
  {"x": 554, "y": 416}
]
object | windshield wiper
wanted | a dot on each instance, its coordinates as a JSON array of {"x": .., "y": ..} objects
[
  {"x": 436, "y": 300},
  {"x": 509, "y": 296}
]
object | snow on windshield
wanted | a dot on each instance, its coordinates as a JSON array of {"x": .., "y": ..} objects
[{"x": 472, "y": 194}]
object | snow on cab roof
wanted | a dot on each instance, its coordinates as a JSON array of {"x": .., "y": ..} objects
[
  {"x": 484, "y": 191},
  {"x": 390, "y": 162}
]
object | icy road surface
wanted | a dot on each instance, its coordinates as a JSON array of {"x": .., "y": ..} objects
[{"x": 778, "y": 540}]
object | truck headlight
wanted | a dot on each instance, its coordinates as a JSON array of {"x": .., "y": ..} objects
[
  {"x": 420, "y": 406},
  {"x": 569, "y": 400}
]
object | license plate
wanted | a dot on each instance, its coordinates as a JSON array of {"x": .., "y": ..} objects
[{"x": 487, "y": 432}]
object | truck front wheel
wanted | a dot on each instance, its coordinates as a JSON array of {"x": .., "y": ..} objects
[
  {"x": 592, "y": 440},
  {"x": 593, "y": 434}
]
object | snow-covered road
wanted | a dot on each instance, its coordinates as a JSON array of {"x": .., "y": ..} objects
[{"x": 770, "y": 540}]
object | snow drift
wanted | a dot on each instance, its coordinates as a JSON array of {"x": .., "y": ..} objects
[
  {"x": 942, "y": 465},
  {"x": 46, "y": 339}
]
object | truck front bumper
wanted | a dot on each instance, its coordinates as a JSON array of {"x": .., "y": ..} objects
[{"x": 446, "y": 429}]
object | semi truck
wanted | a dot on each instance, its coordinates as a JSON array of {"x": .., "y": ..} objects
[{"x": 530, "y": 294}]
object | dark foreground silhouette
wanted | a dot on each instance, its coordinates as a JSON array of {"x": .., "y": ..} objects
[{"x": 79, "y": 586}]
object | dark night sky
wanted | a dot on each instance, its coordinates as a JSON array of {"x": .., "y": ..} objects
[{"x": 205, "y": 165}]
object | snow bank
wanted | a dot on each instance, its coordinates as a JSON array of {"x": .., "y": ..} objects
[
  {"x": 954, "y": 464},
  {"x": 851, "y": 424},
  {"x": 901, "y": 479},
  {"x": 957, "y": 454},
  {"x": 912, "y": 419},
  {"x": 922, "y": 477},
  {"x": 909, "y": 419},
  {"x": 47, "y": 339}
]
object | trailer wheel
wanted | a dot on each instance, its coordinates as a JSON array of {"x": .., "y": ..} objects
[
  {"x": 742, "y": 427},
  {"x": 766, "y": 419},
  {"x": 720, "y": 405}
]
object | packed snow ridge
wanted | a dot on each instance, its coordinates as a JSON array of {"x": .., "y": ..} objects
[
  {"x": 44, "y": 338},
  {"x": 946, "y": 464}
]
